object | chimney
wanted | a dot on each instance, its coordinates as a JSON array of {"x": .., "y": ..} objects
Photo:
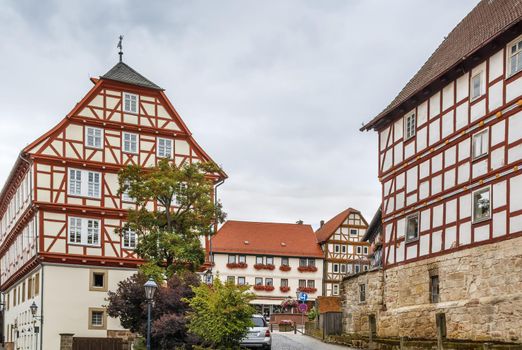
[
  {"x": 321, "y": 223},
  {"x": 299, "y": 222}
]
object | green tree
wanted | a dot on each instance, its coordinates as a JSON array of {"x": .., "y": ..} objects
[
  {"x": 175, "y": 206},
  {"x": 221, "y": 313}
]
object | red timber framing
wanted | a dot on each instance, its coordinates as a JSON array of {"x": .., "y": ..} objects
[
  {"x": 434, "y": 173},
  {"x": 64, "y": 147}
]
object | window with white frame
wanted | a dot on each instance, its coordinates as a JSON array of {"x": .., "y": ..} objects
[
  {"x": 75, "y": 182},
  {"x": 130, "y": 103},
  {"x": 353, "y": 232},
  {"x": 93, "y": 184},
  {"x": 130, "y": 239},
  {"x": 93, "y": 137},
  {"x": 335, "y": 290},
  {"x": 130, "y": 142},
  {"x": 231, "y": 259},
  {"x": 343, "y": 249},
  {"x": 270, "y": 260},
  {"x": 365, "y": 267},
  {"x": 480, "y": 144},
  {"x": 409, "y": 126},
  {"x": 476, "y": 85},
  {"x": 482, "y": 204},
  {"x": 343, "y": 268},
  {"x": 84, "y": 231},
  {"x": 269, "y": 282},
  {"x": 84, "y": 183},
  {"x": 412, "y": 227},
  {"x": 357, "y": 268},
  {"x": 337, "y": 248},
  {"x": 515, "y": 56},
  {"x": 242, "y": 258},
  {"x": 365, "y": 250},
  {"x": 335, "y": 268},
  {"x": 125, "y": 196},
  {"x": 164, "y": 147},
  {"x": 259, "y": 260},
  {"x": 259, "y": 281},
  {"x": 359, "y": 250}
]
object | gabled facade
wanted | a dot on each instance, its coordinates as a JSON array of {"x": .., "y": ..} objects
[
  {"x": 344, "y": 252},
  {"x": 60, "y": 207},
  {"x": 450, "y": 156},
  {"x": 276, "y": 259}
]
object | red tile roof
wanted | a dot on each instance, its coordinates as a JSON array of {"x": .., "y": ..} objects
[
  {"x": 328, "y": 229},
  {"x": 486, "y": 21},
  {"x": 266, "y": 238}
]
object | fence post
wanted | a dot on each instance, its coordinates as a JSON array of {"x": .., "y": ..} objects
[{"x": 402, "y": 343}]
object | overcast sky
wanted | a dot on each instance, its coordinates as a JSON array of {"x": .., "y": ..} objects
[{"x": 274, "y": 90}]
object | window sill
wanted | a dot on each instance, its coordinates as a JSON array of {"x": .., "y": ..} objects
[
  {"x": 83, "y": 197},
  {"x": 480, "y": 157},
  {"x": 476, "y": 98},
  {"x": 480, "y": 221},
  {"x": 94, "y": 147},
  {"x": 84, "y": 245}
]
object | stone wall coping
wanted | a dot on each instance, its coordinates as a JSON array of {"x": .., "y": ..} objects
[{"x": 355, "y": 275}]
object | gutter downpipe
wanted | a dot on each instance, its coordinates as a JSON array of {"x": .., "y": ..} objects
[{"x": 219, "y": 183}]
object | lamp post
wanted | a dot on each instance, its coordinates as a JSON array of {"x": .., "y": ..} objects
[
  {"x": 150, "y": 287},
  {"x": 34, "y": 310}
]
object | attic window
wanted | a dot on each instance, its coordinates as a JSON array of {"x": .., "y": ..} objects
[
  {"x": 246, "y": 242},
  {"x": 130, "y": 103},
  {"x": 283, "y": 244}
]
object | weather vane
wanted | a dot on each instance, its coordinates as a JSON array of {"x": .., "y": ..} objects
[{"x": 120, "y": 46}]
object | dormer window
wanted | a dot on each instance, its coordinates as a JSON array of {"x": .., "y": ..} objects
[
  {"x": 515, "y": 56},
  {"x": 476, "y": 86},
  {"x": 409, "y": 126},
  {"x": 130, "y": 103}
]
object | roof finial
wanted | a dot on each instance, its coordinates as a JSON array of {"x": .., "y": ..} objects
[{"x": 120, "y": 46}]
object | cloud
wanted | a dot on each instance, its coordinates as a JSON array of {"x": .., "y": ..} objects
[{"x": 275, "y": 91}]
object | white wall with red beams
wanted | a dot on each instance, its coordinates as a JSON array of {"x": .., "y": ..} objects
[
  {"x": 433, "y": 173},
  {"x": 45, "y": 200}
]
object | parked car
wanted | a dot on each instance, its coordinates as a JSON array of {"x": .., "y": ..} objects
[{"x": 258, "y": 336}]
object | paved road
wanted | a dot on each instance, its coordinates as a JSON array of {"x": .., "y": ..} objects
[{"x": 291, "y": 341}]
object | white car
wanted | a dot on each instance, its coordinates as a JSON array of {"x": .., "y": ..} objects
[{"x": 258, "y": 336}]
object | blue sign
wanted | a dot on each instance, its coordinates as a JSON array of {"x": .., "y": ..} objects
[{"x": 303, "y": 297}]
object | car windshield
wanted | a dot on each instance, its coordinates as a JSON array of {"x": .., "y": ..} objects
[{"x": 258, "y": 322}]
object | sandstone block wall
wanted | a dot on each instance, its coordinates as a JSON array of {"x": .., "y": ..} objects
[{"x": 480, "y": 295}]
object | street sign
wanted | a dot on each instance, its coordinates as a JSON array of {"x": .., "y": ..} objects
[
  {"x": 303, "y": 307},
  {"x": 303, "y": 297}
]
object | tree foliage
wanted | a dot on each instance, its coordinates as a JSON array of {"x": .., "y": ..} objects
[
  {"x": 221, "y": 313},
  {"x": 185, "y": 210},
  {"x": 169, "y": 328}
]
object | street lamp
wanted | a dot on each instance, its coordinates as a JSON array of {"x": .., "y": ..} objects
[
  {"x": 150, "y": 287},
  {"x": 34, "y": 310}
]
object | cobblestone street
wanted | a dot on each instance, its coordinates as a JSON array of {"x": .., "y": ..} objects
[{"x": 291, "y": 341}]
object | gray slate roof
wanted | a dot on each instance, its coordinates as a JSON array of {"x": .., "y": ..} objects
[
  {"x": 374, "y": 228},
  {"x": 123, "y": 73}
]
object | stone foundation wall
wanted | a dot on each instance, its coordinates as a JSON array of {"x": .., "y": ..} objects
[{"x": 480, "y": 295}]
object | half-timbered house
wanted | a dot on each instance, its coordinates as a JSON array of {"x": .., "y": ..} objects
[
  {"x": 60, "y": 208},
  {"x": 344, "y": 252},
  {"x": 276, "y": 259},
  {"x": 450, "y": 156}
]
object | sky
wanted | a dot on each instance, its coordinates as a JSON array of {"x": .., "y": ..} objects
[{"x": 274, "y": 91}]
